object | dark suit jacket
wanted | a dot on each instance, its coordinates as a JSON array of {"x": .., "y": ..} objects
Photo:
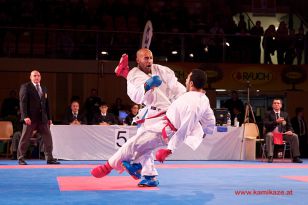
[
  {"x": 69, "y": 117},
  {"x": 295, "y": 125},
  {"x": 109, "y": 118},
  {"x": 129, "y": 119},
  {"x": 32, "y": 106},
  {"x": 270, "y": 121}
]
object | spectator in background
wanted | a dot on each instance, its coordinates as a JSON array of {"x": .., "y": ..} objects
[
  {"x": 269, "y": 44},
  {"x": 234, "y": 102},
  {"x": 104, "y": 118},
  {"x": 74, "y": 117},
  {"x": 236, "y": 113},
  {"x": 117, "y": 106},
  {"x": 256, "y": 33},
  {"x": 214, "y": 44},
  {"x": 300, "y": 128},
  {"x": 133, "y": 112},
  {"x": 92, "y": 105},
  {"x": 242, "y": 25},
  {"x": 282, "y": 42},
  {"x": 73, "y": 98},
  {"x": 10, "y": 105},
  {"x": 290, "y": 50},
  {"x": 299, "y": 45}
]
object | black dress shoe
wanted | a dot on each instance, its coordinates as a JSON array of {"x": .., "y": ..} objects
[
  {"x": 52, "y": 161},
  {"x": 22, "y": 162},
  {"x": 14, "y": 157},
  {"x": 270, "y": 159},
  {"x": 297, "y": 160}
]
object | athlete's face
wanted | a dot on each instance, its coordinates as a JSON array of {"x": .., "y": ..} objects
[{"x": 145, "y": 60}]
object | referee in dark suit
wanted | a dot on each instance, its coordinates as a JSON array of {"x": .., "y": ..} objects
[{"x": 35, "y": 115}]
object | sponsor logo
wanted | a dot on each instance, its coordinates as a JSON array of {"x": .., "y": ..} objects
[{"x": 255, "y": 77}]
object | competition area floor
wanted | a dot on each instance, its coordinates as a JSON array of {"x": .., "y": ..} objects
[{"x": 181, "y": 182}]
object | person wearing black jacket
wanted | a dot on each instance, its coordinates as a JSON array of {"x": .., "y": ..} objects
[
  {"x": 103, "y": 117},
  {"x": 34, "y": 111},
  {"x": 276, "y": 120},
  {"x": 73, "y": 115},
  {"x": 130, "y": 117}
]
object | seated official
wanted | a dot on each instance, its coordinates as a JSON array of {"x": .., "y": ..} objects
[
  {"x": 73, "y": 116},
  {"x": 104, "y": 118},
  {"x": 278, "y": 121},
  {"x": 237, "y": 114},
  {"x": 130, "y": 117}
]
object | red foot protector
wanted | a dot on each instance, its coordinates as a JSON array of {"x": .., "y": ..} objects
[
  {"x": 162, "y": 154},
  {"x": 101, "y": 171},
  {"x": 297, "y": 178},
  {"x": 108, "y": 183}
]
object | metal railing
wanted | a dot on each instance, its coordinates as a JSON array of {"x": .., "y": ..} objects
[{"x": 95, "y": 44}]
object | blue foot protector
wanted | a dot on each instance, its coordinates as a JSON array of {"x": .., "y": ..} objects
[
  {"x": 133, "y": 169},
  {"x": 149, "y": 181}
]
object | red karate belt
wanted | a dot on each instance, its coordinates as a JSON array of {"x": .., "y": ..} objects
[
  {"x": 164, "y": 132},
  {"x": 154, "y": 116}
]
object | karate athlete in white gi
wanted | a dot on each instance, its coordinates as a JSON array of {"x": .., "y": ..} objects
[
  {"x": 140, "y": 81},
  {"x": 187, "y": 120}
]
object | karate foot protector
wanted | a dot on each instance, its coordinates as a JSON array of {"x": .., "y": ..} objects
[
  {"x": 133, "y": 169},
  {"x": 162, "y": 154},
  {"x": 149, "y": 181},
  {"x": 101, "y": 171}
]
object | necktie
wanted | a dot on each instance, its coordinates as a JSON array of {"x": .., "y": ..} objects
[
  {"x": 75, "y": 116},
  {"x": 279, "y": 125},
  {"x": 38, "y": 89}
]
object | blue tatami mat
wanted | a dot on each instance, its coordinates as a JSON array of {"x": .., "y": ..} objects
[{"x": 181, "y": 182}]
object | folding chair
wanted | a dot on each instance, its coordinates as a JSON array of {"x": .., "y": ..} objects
[{"x": 6, "y": 133}]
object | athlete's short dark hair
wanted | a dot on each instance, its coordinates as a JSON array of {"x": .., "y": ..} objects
[{"x": 199, "y": 78}]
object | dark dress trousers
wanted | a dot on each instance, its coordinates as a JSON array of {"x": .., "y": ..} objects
[{"x": 35, "y": 107}]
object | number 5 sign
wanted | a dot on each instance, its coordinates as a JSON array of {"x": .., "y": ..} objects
[{"x": 120, "y": 137}]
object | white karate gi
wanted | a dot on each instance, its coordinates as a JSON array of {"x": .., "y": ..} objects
[
  {"x": 161, "y": 98},
  {"x": 156, "y": 101},
  {"x": 190, "y": 114}
]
